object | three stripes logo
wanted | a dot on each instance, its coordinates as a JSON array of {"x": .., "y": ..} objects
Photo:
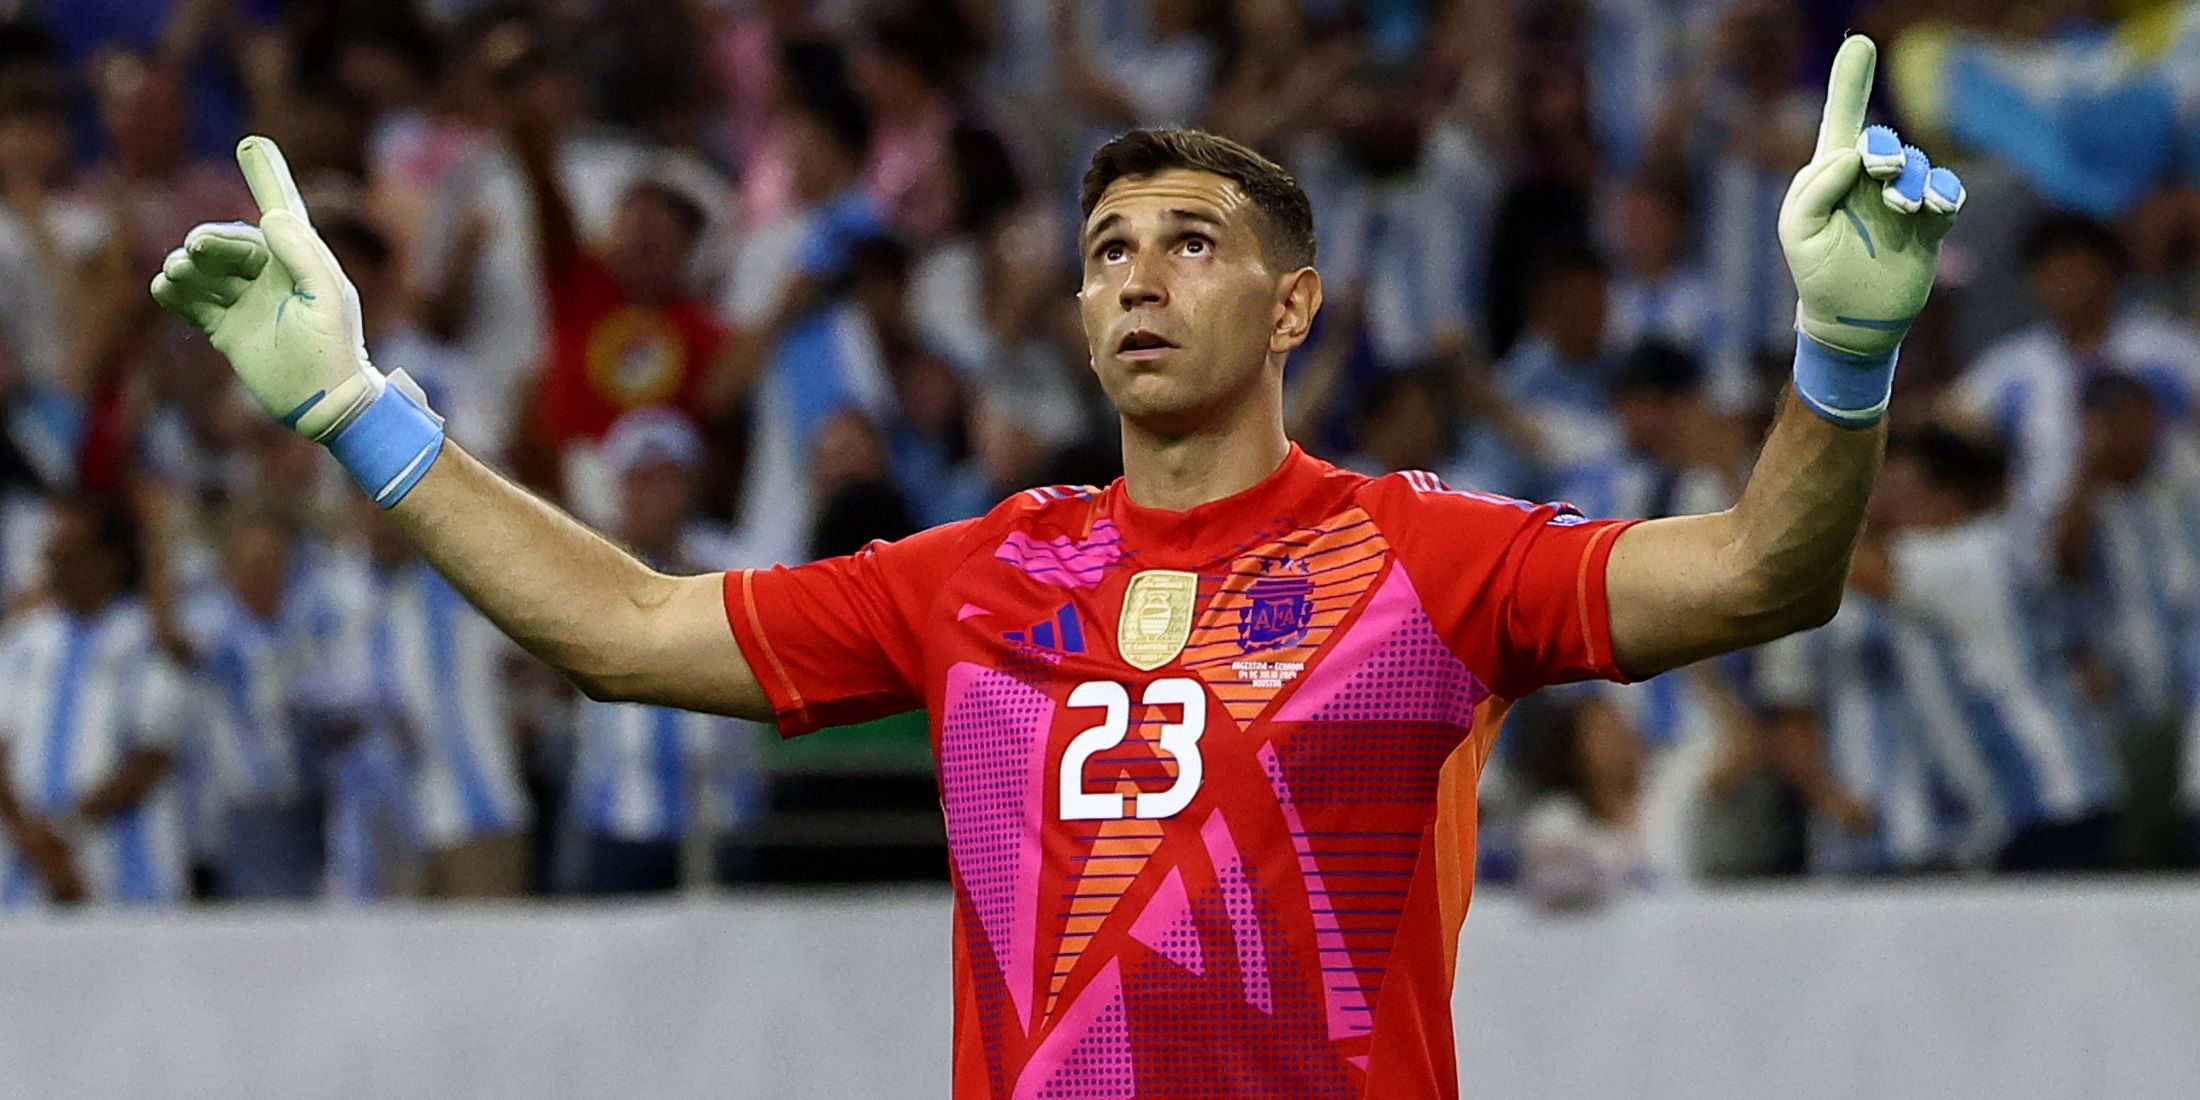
[{"x": 1060, "y": 633}]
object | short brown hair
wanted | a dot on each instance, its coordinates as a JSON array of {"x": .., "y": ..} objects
[{"x": 1289, "y": 235}]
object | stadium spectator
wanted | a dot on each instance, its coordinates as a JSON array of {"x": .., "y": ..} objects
[
  {"x": 904, "y": 73},
  {"x": 2129, "y": 550},
  {"x": 477, "y": 272},
  {"x": 59, "y": 253},
  {"x": 1558, "y": 374},
  {"x": 809, "y": 355},
  {"x": 2027, "y": 387},
  {"x": 2130, "y": 538},
  {"x": 1735, "y": 124},
  {"x": 276, "y": 678},
  {"x": 373, "y": 831},
  {"x": 90, "y": 735},
  {"x": 626, "y": 328},
  {"x": 2028, "y": 756},
  {"x": 1845, "y": 731},
  {"x": 1659, "y": 294},
  {"x": 654, "y": 788},
  {"x": 1580, "y": 841},
  {"x": 441, "y": 687}
]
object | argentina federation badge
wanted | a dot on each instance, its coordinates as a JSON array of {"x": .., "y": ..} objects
[{"x": 1157, "y": 617}]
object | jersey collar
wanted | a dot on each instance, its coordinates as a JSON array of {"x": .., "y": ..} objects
[{"x": 1276, "y": 505}]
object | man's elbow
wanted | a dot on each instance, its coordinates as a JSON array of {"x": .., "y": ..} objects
[
  {"x": 1817, "y": 608},
  {"x": 612, "y": 680},
  {"x": 1774, "y": 606}
]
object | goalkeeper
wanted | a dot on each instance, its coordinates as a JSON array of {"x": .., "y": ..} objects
[{"x": 1040, "y": 635}]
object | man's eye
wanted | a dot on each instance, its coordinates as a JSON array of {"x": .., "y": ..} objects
[
  {"x": 1196, "y": 246},
  {"x": 1111, "y": 252}
]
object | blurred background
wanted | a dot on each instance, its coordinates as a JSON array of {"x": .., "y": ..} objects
[{"x": 756, "y": 282}]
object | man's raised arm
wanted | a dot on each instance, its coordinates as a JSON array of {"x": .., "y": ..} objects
[
  {"x": 1861, "y": 226},
  {"x": 272, "y": 299}
]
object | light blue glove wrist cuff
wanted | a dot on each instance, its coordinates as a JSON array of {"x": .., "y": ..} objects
[
  {"x": 1849, "y": 390},
  {"x": 390, "y": 445}
]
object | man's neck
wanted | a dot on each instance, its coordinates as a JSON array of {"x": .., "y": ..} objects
[
  {"x": 87, "y": 605},
  {"x": 2088, "y": 333},
  {"x": 1181, "y": 472}
]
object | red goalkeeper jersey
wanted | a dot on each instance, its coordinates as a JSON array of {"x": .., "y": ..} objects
[{"x": 1209, "y": 776}]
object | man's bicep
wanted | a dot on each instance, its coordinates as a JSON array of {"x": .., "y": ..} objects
[
  {"x": 1670, "y": 592},
  {"x": 691, "y": 659}
]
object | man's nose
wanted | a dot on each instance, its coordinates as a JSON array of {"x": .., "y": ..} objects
[{"x": 1143, "y": 283}]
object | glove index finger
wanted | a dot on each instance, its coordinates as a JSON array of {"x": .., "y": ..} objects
[
  {"x": 268, "y": 175},
  {"x": 1848, "y": 92}
]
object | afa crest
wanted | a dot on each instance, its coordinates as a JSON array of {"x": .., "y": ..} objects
[{"x": 1276, "y": 614}]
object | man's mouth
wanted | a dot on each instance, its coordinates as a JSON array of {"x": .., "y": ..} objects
[{"x": 1143, "y": 346}]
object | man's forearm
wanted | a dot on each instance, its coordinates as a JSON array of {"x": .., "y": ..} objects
[
  {"x": 1797, "y": 522},
  {"x": 1691, "y": 587},
  {"x": 128, "y": 786},
  {"x": 614, "y": 626}
]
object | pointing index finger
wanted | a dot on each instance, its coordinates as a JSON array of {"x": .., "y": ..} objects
[
  {"x": 268, "y": 175},
  {"x": 1848, "y": 92}
]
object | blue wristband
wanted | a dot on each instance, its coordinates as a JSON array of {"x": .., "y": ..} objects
[
  {"x": 389, "y": 446},
  {"x": 1849, "y": 390}
]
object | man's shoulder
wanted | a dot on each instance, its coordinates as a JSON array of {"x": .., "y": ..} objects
[
  {"x": 1417, "y": 494},
  {"x": 1074, "y": 512}
]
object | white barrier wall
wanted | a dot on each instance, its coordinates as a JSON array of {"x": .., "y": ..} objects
[{"x": 2008, "y": 993}]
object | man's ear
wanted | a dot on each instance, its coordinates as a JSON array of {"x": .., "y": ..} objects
[{"x": 1301, "y": 299}]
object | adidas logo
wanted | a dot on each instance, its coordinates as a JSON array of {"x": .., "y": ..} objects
[{"x": 1061, "y": 633}]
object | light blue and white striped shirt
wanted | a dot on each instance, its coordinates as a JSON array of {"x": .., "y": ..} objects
[
  {"x": 1870, "y": 738},
  {"x": 2029, "y": 386},
  {"x": 2139, "y": 608},
  {"x": 264, "y": 682},
  {"x": 642, "y": 771},
  {"x": 1987, "y": 686},
  {"x": 439, "y": 670},
  {"x": 83, "y": 694}
]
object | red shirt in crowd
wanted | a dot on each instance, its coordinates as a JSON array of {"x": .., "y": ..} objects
[{"x": 608, "y": 355}]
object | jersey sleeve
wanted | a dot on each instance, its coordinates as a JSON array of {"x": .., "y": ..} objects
[
  {"x": 841, "y": 640},
  {"x": 1516, "y": 588}
]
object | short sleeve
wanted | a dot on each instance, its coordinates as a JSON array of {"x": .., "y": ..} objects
[
  {"x": 1517, "y": 588},
  {"x": 840, "y": 640}
]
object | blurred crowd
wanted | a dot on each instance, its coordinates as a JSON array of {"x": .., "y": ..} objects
[{"x": 756, "y": 281}]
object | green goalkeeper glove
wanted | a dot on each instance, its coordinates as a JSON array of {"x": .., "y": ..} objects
[
  {"x": 273, "y": 301},
  {"x": 1861, "y": 227}
]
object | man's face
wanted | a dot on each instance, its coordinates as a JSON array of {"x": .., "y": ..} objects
[
  {"x": 83, "y": 574},
  {"x": 1180, "y": 306},
  {"x": 256, "y": 562},
  {"x": 1650, "y": 233},
  {"x": 2075, "y": 287},
  {"x": 649, "y": 248},
  {"x": 1570, "y": 310},
  {"x": 657, "y": 497}
]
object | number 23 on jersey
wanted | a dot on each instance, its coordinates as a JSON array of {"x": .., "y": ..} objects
[{"x": 1179, "y": 739}]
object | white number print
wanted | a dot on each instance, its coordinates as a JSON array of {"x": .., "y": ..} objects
[{"x": 1180, "y": 739}]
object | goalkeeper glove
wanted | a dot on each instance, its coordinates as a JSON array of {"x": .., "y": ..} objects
[
  {"x": 273, "y": 301},
  {"x": 1861, "y": 227}
]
